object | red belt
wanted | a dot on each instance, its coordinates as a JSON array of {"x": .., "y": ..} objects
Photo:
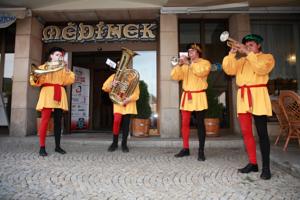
[
  {"x": 249, "y": 91},
  {"x": 189, "y": 93},
  {"x": 57, "y": 90}
]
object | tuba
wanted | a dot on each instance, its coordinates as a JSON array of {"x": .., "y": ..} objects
[{"x": 126, "y": 79}]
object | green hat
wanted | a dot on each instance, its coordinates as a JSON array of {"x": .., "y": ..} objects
[{"x": 252, "y": 37}]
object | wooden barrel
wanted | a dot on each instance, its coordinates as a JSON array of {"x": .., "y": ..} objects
[
  {"x": 140, "y": 127},
  {"x": 212, "y": 126}
]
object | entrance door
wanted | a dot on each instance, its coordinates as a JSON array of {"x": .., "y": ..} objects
[{"x": 101, "y": 107}]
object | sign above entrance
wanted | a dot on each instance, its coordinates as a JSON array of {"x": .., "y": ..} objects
[
  {"x": 6, "y": 20},
  {"x": 100, "y": 32}
]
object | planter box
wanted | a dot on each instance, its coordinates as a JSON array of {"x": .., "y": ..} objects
[
  {"x": 212, "y": 126},
  {"x": 140, "y": 127},
  {"x": 50, "y": 128}
]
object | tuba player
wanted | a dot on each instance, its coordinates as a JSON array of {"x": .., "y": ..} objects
[
  {"x": 122, "y": 113},
  {"x": 52, "y": 97}
]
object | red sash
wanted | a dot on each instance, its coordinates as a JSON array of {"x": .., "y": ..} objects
[
  {"x": 189, "y": 94},
  {"x": 249, "y": 91},
  {"x": 57, "y": 90}
]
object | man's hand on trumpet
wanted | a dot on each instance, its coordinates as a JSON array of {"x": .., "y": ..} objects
[
  {"x": 242, "y": 49},
  {"x": 183, "y": 60}
]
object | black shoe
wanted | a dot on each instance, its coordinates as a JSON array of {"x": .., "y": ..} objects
[
  {"x": 249, "y": 168},
  {"x": 43, "y": 152},
  {"x": 125, "y": 148},
  {"x": 112, "y": 147},
  {"x": 60, "y": 150},
  {"x": 182, "y": 153},
  {"x": 266, "y": 174},
  {"x": 201, "y": 156}
]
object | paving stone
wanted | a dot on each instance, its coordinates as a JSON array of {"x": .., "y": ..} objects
[{"x": 89, "y": 172}]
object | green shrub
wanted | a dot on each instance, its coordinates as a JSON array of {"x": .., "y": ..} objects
[
  {"x": 214, "y": 107},
  {"x": 142, "y": 104}
]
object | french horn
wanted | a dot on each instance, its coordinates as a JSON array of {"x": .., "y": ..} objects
[{"x": 50, "y": 67}]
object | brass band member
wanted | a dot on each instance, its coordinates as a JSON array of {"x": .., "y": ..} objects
[
  {"x": 193, "y": 74},
  {"x": 122, "y": 114},
  {"x": 252, "y": 75},
  {"x": 52, "y": 98}
]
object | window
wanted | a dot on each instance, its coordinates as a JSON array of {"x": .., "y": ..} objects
[
  {"x": 281, "y": 39},
  {"x": 145, "y": 64}
]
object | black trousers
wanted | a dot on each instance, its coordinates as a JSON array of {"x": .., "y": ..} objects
[
  {"x": 57, "y": 125},
  {"x": 125, "y": 127},
  {"x": 201, "y": 128},
  {"x": 264, "y": 142}
]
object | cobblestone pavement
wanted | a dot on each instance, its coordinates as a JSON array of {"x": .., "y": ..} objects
[{"x": 88, "y": 171}]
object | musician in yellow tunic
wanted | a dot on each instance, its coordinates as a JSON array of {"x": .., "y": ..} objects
[
  {"x": 122, "y": 114},
  {"x": 52, "y": 98},
  {"x": 193, "y": 74},
  {"x": 252, "y": 75}
]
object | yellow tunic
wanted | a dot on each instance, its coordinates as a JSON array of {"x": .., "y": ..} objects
[
  {"x": 46, "y": 100},
  {"x": 253, "y": 69},
  {"x": 130, "y": 108},
  {"x": 194, "y": 78}
]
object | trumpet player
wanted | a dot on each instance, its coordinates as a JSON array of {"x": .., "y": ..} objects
[
  {"x": 252, "y": 75},
  {"x": 52, "y": 97},
  {"x": 192, "y": 71},
  {"x": 122, "y": 114}
]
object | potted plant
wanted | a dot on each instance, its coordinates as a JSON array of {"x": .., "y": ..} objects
[
  {"x": 141, "y": 121},
  {"x": 213, "y": 113}
]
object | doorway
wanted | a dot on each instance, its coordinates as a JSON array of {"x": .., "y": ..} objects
[{"x": 100, "y": 105}]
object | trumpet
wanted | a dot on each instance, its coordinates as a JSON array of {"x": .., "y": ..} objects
[
  {"x": 175, "y": 60},
  {"x": 224, "y": 37}
]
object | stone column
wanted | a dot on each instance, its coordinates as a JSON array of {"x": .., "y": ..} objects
[
  {"x": 239, "y": 26},
  {"x": 28, "y": 50},
  {"x": 169, "y": 124}
]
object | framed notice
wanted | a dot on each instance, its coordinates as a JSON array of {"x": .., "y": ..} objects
[{"x": 80, "y": 99}]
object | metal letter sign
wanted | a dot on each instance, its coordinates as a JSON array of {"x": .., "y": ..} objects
[{"x": 100, "y": 32}]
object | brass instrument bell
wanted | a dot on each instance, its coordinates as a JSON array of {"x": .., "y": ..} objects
[{"x": 224, "y": 37}]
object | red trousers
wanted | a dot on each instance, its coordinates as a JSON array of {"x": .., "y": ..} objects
[
  {"x": 185, "y": 127},
  {"x": 245, "y": 120},
  {"x": 46, "y": 114},
  {"x": 117, "y": 123}
]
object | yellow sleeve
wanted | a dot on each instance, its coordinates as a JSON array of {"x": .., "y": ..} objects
[
  {"x": 262, "y": 65},
  {"x": 107, "y": 84},
  {"x": 230, "y": 64},
  {"x": 177, "y": 73},
  {"x": 201, "y": 68},
  {"x": 69, "y": 78},
  {"x": 136, "y": 94}
]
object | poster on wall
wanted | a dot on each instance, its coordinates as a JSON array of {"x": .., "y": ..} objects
[{"x": 80, "y": 99}]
